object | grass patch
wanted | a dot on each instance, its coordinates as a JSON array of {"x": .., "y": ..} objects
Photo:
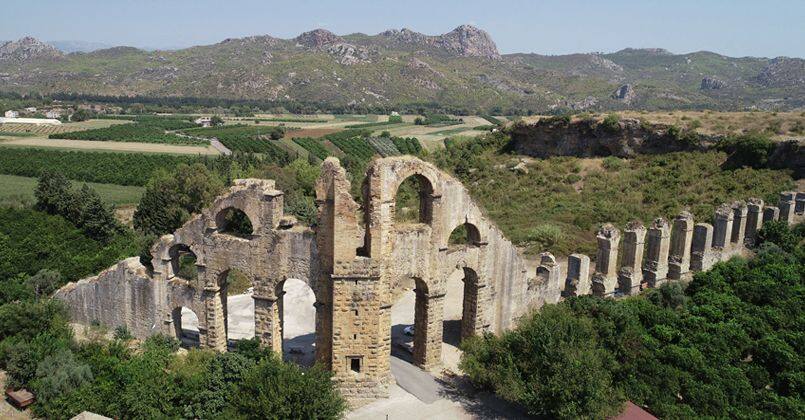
[{"x": 22, "y": 188}]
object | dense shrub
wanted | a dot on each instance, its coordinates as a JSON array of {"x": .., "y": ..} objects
[
  {"x": 749, "y": 150},
  {"x": 728, "y": 346}
]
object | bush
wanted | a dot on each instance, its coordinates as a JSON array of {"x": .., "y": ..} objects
[
  {"x": 122, "y": 333},
  {"x": 611, "y": 123},
  {"x": 750, "y": 150}
]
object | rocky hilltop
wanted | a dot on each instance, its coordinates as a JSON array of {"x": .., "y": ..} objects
[
  {"x": 27, "y": 49},
  {"x": 459, "y": 71}
]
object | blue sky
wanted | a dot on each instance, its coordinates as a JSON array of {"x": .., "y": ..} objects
[{"x": 736, "y": 28}]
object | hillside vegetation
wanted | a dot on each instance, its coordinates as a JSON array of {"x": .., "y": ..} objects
[{"x": 556, "y": 204}]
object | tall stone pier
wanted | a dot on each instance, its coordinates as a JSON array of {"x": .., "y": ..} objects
[
  {"x": 739, "y": 216},
  {"x": 606, "y": 274},
  {"x": 787, "y": 206},
  {"x": 578, "y": 276},
  {"x": 681, "y": 238},
  {"x": 630, "y": 275},
  {"x": 754, "y": 220},
  {"x": 701, "y": 251},
  {"x": 722, "y": 231},
  {"x": 771, "y": 214},
  {"x": 659, "y": 239}
]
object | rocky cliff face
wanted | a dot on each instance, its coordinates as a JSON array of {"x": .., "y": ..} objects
[
  {"x": 27, "y": 49},
  {"x": 712, "y": 83},
  {"x": 318, "y": 38},
  {"x": 783, "y": 71},
  {"x": 469, "y": 41},
  {"x": 590, "y": 138}
]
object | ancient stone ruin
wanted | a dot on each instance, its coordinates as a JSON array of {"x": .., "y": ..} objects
[{"x": 357, "y": 259}]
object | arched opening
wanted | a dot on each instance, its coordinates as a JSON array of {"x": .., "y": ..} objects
[
  {"x": 234, "y": 222},
  {"x": 183, "y": 262},
  {"x": 460, "y": 313},
  {"x": 238, "y": 305},
  {"x": 414, "y": 201},
  {"x": 185, "y": 324},
  {"x": 409, "y": 320},
  {"x": 465, "y": 234},
  {"x": 298, "y": 319}
]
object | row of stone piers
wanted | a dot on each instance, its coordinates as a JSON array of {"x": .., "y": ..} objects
[{"x": 663, "y": 251}]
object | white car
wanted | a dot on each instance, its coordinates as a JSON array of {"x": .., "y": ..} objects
[{"x": 409, "y": 330}]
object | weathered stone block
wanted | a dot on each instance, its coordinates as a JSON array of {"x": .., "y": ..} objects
[{"x": 659, "y": 241}]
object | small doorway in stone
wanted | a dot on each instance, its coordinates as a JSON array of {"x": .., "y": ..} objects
[
  {"x": 460, "y": 314},
  {"x": 238, "y": 305},
  {"x": 297, "y": 303},
  {"x": 185, "y": 324}
]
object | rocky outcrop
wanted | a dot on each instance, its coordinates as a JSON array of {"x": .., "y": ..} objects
[
  {"x": 782, "y": 72},
  {"x": 26, "y": 49},
  {"x": 625, "y": 93},
  {"x": 711, "y": 83},
  {"x": 589, "y": 138},
  {"x": 465, "y": 41},
  {"x": 317, "y": 39}
]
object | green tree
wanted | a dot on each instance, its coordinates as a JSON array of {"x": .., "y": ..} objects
[
  {"x": 216, "y": 120},
  {"x": 171, "y": 197},
  {"x": 286, "y": 391}
]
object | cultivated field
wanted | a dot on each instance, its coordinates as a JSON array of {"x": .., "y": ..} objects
[
  {"x": 129, "y": 147},
  {"x": 46, "y": 130},
  {"x": 20, "y": 188}
]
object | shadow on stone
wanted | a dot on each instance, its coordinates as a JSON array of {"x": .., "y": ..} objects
[
  {"x": 300, "y": 350},
  {"x": 451, "y": 332}
]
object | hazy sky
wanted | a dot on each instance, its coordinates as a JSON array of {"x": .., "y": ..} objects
[{"x": 732, "y": 27}]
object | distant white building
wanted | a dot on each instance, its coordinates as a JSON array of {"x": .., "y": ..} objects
[
  {"x": 203, "y": 121},
  {"x": 395, "y": 114},
  {"x": 31, "y": 109},
  {"x": 35, "y": 121},
  {"x": 12, "y": 114},
  {"x": 53, "y": 113}
]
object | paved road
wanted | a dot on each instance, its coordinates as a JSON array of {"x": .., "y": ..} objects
[
  {"x": 415, "y": 381},
  {"x": 220, "y": 147}
]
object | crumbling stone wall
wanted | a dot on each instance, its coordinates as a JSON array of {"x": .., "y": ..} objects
[{"x": 358, "y": 259}]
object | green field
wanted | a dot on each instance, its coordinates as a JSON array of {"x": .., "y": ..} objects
[{"x": 22, "y": 188}]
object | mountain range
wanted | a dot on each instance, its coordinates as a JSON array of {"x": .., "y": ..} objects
[{"x": 460, "y": 70}]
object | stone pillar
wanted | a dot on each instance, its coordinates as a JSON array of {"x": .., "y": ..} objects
[
  {"x": 428, "y": 328},
  {"x": 754, "y": 220},
  {"x": 215, "y": 319},
  {"x": 606, "y": 273},
  {"x": 787, "y": 205},
  {"x": 549, "y": 270},
  {"x": 739, "y": 214},
  {"x": 770, "y": 214},
  {"x": 722, "y": 230},
  {"x": 701, "y": 250},
  {"x": 659, "y": 245},
  {"x": 681, "y": 238},
  {"x": 578, "y": 276},
  {"x": 630, "y": 275},
  {"x": 268, "y": 322},
  {"x": 799, "y": 208}
]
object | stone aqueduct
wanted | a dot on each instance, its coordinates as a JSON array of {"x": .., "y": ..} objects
[{"x": 357, "y": 260}]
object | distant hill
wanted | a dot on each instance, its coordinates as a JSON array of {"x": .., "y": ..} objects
[
  {"x": 77, "y": 46},
  {"x": 460, "y": 70}
]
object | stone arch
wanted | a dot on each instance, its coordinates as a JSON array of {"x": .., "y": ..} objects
[
  {"x": 186, "y": 325},
  {"x": 474, "y": 235},
  {"x": 426, "y": 197},
  {"x": 236, "y": 222},
  {"x": 178, "y": 268},
  {"x": 297, "y": 308},
  {"x": 471, "y": 320}
]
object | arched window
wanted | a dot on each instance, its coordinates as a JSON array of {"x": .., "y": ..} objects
[
  {"x": 183, "y": 262},
  {"x": 414, "y": 200},
  {"x": 185, "y": 324},
  {"x": 234, "y": 222},
  {"x": 460, "y": 311},
  {"x": 465, "y": 234}
]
